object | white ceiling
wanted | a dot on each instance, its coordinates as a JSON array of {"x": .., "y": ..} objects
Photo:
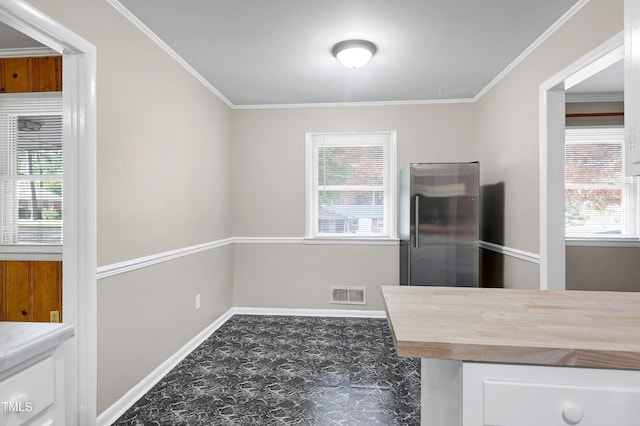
[
  {"x": 607, "y": 82},
  {"x": 12, "y": 39},
  {"x": 263, "y": 52},
  {"x": 248, "y": 77}
]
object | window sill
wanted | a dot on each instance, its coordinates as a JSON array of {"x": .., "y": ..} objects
[
  {"x": 602, "y": 242},
  {"x": 352, "y": 241},
  {"x": 25, "y": 252}
]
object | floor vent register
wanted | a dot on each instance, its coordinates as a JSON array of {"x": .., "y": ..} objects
[{"x": 349, "y": 295}]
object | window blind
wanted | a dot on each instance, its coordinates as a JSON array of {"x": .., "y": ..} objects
[
  {"x": 351, "y": 184},
  {"x": 31, "y": 169},
  {"x": 599, "y": 200}
]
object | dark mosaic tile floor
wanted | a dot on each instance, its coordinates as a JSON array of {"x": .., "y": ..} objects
[{"x": 282, "y": 370}]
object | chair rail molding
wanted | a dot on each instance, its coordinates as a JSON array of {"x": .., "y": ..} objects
[
  {"x": 511, "y": 252},
  {"x": 123, "y": 267},
  {"x": 154, "y": 259}
]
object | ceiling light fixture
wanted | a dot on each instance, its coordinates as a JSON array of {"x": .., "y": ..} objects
[{"x": 354, "y": 53}]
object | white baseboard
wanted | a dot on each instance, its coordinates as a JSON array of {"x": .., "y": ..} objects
[
  {"x": 111, "y": 414},
  {"x": 349, "y": 313}
]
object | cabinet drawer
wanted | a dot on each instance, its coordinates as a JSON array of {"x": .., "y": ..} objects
[
  {"x": 27, "y": 393},
  {"x": 521, "y": 404}
]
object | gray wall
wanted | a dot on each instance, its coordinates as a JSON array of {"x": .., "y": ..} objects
[
  {"x": 268, "y": 150},
  {"x": 164, "y": 182},
  {"x": 508, "y": 127},
  {"x": 300, "y": 276},
  {"x": 603, "y": 268},
  {"x": 146, "y": 315},
  {"x": 241, "y": 173},
  {"x": 269, "y": 199}
]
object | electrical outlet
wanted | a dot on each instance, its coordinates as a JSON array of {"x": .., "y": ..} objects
[
  {"x": 54, "y": 316},
  {"x": 197, "y": 301}
]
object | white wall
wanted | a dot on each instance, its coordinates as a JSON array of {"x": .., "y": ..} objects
[{"x": 164, "y": 170}]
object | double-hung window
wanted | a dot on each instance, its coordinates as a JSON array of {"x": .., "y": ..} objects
[
  {"x": 351, "y": 185},
  {"x": 600, "y": 202},
  {"x": 31, "y": 169}
]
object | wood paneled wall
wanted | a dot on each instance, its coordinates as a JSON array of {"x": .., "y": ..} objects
[
  {"x": 36, "y": 74},
  {"x": 31, "y": 291}
]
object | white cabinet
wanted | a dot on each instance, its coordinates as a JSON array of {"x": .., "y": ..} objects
[
  {"x": 32, "y": 374},
  {"x": 33, "y": 392},
  {"x": 632, "y": 86},
  {"x": 520, "y": 395}
]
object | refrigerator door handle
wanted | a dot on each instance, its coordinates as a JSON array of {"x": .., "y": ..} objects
[
  {"x": 408, "y": 267},
  {"x": 417, "y": 222}
]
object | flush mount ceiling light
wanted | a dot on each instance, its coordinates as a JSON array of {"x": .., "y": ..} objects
[{"x": 354, "y": 53}]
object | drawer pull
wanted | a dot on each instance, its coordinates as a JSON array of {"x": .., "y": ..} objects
[{"x": 572, "y": 413}]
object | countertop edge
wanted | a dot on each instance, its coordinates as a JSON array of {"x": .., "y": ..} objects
[
  {"x": 40, "y": 343},
  {"x": 559, "y": 357}
]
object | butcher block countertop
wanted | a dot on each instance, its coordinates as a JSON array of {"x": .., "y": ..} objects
[{"x": 564, "y": 328}]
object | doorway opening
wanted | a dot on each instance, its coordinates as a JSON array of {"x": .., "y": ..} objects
[
  {"x": 552, "y": 157},
  {"x": 79, "y": 204}
]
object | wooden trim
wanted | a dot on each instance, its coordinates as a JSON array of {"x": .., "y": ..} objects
[
  {"x": 3, "y": 294},
  {"x": 59, "y": 292},
  {"x": 32, "y": 290}
]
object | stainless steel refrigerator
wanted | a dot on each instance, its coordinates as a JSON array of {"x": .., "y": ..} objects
[{"x": 439, "y": 224}]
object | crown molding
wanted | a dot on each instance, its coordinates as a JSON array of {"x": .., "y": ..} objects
[
  {"x": 548, "y": 33},
  {"x": 27, "y": 52},
  {"x": 357, "y": 104}
]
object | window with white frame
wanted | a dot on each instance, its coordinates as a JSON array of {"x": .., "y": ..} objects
[
  {"x": 351, "y": 185},
  {"x": 31, "y": 169},
  {"x": 600, "y": 202}
]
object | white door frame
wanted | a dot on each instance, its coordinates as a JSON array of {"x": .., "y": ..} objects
[
  {"x": 79, "y": 247},
  {"x": 552, "y": 137}
]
